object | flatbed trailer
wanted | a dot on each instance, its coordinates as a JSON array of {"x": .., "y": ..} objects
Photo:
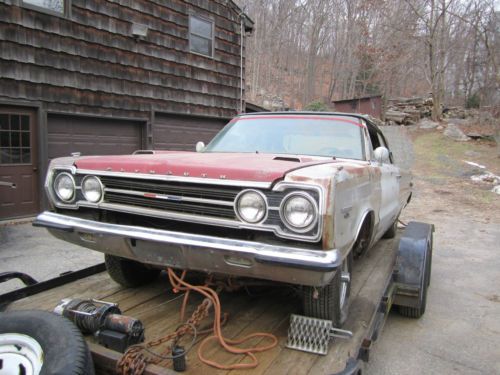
[{"x": 380, "y": 278}]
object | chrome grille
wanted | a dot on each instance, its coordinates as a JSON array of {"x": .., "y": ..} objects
[{"x": 194, "y": 199}]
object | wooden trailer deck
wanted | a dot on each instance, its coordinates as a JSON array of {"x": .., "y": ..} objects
[{"x": 158, "y": 308}]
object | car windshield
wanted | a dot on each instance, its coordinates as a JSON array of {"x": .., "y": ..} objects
[{"x": 318, "y": 135}]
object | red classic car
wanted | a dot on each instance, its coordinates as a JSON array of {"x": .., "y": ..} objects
[{"x": 288, "y": 197}]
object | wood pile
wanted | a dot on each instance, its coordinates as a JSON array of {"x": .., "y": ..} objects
[{"x": 407, "y": 111}]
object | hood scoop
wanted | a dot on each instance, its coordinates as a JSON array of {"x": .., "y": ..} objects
[{"x": 287, "y": 158}]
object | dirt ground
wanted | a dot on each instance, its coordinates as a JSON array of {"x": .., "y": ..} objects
[{"x": 460, "y": 331}]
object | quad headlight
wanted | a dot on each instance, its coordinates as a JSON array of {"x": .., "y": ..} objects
[
  {"x": 64, "y": 187},
  {"x": 299, "y": 211},
  {"x": 92, "y": 189},
  {"x": 251, "y": 206}
]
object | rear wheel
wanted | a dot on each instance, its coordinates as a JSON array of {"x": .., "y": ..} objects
[
  {"x": 129, "y": 273},
  {"x": 331, "y": 302}
]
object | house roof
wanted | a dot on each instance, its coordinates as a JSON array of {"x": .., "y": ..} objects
[{"x": 248, "y": 22}]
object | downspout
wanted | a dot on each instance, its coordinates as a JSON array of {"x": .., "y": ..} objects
[{"x": 241, "y": 61}]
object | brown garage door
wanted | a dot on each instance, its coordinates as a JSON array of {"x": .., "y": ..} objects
[
  {"x": 18, "y": 164},
  {"x": 91, "y": 136},
  {"x": 182, "y": 132}
]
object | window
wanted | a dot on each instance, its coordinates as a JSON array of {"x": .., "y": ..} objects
[
  {"x": 201, "y": 36},
  {"x": 15, "y": 139},
  {"x": 56, "y": 6}
]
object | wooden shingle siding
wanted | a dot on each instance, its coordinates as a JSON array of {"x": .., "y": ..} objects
[{"x": 91, "y": 63}]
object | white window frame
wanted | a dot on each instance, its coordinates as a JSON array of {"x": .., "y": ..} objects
[
  {"x": 212, "y": 39},
  {"x": 65, "y": 12}
]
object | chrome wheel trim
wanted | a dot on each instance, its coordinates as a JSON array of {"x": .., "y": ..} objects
[{"x": 345, "y": 280}]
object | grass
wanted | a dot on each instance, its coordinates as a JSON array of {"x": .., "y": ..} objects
[{"x": 440, "y": 161}]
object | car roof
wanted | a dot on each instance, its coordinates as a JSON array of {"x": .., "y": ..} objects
[{"x": 369, "y": 122}]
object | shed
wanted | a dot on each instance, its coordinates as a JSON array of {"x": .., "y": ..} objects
[{"x": 367, "y": 105}]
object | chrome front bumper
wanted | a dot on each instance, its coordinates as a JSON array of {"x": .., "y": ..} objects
[{"x": 197, "y": 252}]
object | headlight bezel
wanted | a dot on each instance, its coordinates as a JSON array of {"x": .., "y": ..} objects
[
  {"x": 240, "y": 195},
  {"x": 56, "y": 191},
  {"x": 311, "y": 200},
  {"x": 101, "y": 186}
]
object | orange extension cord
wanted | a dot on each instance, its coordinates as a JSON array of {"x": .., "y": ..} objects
[{"x": 229, "y": 345}]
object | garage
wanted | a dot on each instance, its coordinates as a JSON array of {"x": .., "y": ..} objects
[
  {"x": 177, "y": 132},
  {"x": 92, "y": 136}
]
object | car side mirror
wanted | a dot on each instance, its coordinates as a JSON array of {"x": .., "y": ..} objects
[
  {"x": 381, "y": 155},
  {"x": 200, "y": 146}
]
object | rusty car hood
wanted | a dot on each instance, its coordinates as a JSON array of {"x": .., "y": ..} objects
[{"x": 229, "y": 166}]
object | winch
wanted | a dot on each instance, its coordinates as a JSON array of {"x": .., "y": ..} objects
[{"x": 104, "y": 320}]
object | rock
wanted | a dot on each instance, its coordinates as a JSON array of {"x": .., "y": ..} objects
[
  {"x": 440, "y": 127},
  {"x": 454, "y": 132},
  {"x": 427, "y": 124},
  {"x": 496, "y": 189},
  {"x": 475, "y": 136},
  {"x": 472, "y": 154}
]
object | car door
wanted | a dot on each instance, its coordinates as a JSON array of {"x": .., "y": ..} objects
[{"x": 390, "y": 176}]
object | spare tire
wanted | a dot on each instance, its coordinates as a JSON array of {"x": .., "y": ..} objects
[{"x": 39, "y": 342}]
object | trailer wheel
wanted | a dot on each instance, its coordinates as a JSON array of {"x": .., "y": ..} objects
[
  {"x": 129, "y": 273},
  {"x": 39, "y": 342},
  {"x": 414, "y": 269},
  {"x": 392, "y": 231},
  {"x": 415, "y": 312},
  {"x": 332, "y": 301}
]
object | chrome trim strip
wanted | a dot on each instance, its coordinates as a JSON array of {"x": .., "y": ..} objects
[
  {"x": 170, "y": 197},
  {"x": 194, "y": 180},
  {"x": 208, "y": 220},
  {"x": 278, "y": 257}
]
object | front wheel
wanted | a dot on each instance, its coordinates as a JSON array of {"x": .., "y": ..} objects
[
  {"x": 129, "y": 273},
  {"x": 331, "y": 302},
  {"x": 392, "y": 231}
]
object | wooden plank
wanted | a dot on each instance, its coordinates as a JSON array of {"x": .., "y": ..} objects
[
  {"x": 364, "y": 305},
  {"x": 369, "y": 276},
  {"x": 96, "y": 286},
  {"x": 105, "y": 361},
  {"x": 158, "y": 308},
  {"x": 262, "y": 315}
]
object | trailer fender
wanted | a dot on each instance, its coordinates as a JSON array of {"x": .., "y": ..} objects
[{"x": 412, "y": 269}]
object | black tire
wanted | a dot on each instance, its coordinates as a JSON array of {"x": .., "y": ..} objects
[
  {"x": 429, "y": 264},
  {"x": 392, "y": 231},
  {"x": 65, "y": 351},
  {"x": 129, "y": 273},
  {"x": 328, "y": 305},
  {"x": 417, "y": 312}
]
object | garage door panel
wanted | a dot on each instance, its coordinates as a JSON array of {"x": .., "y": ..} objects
[
  {"x": 91, "y": 136},
  {"x": 182, "y": 133}
]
